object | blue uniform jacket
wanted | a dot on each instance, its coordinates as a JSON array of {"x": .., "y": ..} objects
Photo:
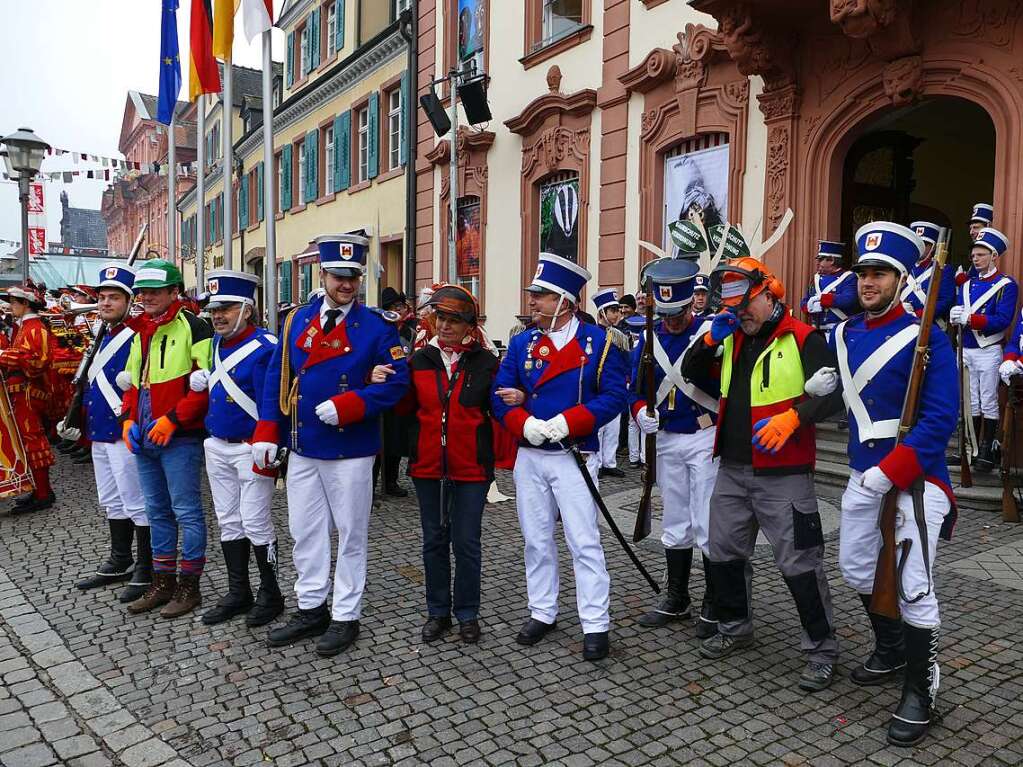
[
  {"x": 225, "y": 418},
  {"x": 922, "y": 452},
  {"x": 996, "y": 314},
  {"x": 946, "y": 291},
  {"x": 563, "y": 382},
  {"x": 102, "y": 420},
  {"x": 843, "y": 298},
  {"x": 1014, "y": 349},
  {"x": 337, "y": 367},
  {"x": 678, "y": 413}
]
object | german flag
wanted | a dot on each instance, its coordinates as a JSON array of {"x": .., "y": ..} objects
[{"x": 204, "y": 75}]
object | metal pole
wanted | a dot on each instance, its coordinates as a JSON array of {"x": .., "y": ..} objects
[
  {"x": 269, "y": 181},
  {"x": 23, "y": 189},
  {"x": 200, "y": 199},
  {"x": 172, "y": 177},
  {"x": 453, "y": 182},
  {"x": 227, "y": 171},
  {"x": 411, "y": 130}
]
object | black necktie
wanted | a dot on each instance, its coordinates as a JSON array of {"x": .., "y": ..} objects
[{"x": 332, "y": 315}]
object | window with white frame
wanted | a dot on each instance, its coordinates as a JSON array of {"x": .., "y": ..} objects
[
  {"x": 328, "y": 161},
  {"x": 394, "y": 123},
  {"x": 303, "y": 51},
  {"x": 331, "y": 30},
  {"x": 277, "y": 93},
  {"x": 301, "y": 174},
  {"x": 280, "y": 184},
  {"x": 399, "y": 6},
  {"x": 560, "y": 17},
  {"x": 363, "y": 144}
]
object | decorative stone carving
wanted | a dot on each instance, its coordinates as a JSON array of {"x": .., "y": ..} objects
[
  {"x": 902, "y": 79},
  {"x": 778, "y": 139},
  {"x": 862, "y": 18},
  {"x": 990, "y": 21},
  {"x": 468, "y": 141},
  {"x": 779, "y": 104},
  {"x": 554, "y": 79},
  {"x": 755, "y": 49},
  {"x": 647, "y": 120},
  {"x": 553, "y": 147}
]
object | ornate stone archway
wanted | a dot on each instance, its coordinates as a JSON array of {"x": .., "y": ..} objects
[{"x": 830, "y": 66}]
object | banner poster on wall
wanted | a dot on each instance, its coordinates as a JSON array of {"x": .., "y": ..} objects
[
  {"x": 467, "y": 246},
  {"x": 559, "y": 218},
  {"x": 696, "y": 183},
  {"x": 471, "y": 25}
]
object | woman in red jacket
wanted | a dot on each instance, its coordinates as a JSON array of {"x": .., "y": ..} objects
[{"x": 452, "y": 461}]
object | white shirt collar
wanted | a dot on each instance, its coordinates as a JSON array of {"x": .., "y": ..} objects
[
  {"x": 327, "y": 305},
  {"x": 561, "y": 337}
]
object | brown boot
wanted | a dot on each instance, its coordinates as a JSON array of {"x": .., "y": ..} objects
[
  {"x": 158, "y": 594},
  {"x": 186, "y": 598}
]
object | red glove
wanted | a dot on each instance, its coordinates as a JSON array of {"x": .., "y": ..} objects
[
  {"x": 162, "y": 431},
  {"x": 771, "y": 434}
]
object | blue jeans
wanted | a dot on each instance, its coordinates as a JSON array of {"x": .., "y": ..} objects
[
  {"x": 462, "y": 533},
  {"x": 171, "y": 481}
]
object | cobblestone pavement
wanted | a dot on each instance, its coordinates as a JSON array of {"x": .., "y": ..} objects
[{"x": 86, "y": 684}]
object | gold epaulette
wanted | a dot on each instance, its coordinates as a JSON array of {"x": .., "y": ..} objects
[{"x": 619, "y": 339}]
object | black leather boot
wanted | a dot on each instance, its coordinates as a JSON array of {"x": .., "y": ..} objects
[
  {"x": 707, "y": 623},
  {"x": 889, "y": 654},
  {"x": 238, "y": 598},
  {"x": 913, "y": 717},
  {"x": 674, "y": 603},
  {"x": 985, "y": 461},
  {"x": 118, "y": 566},
  {"x": 269, "y": 601},
  {"x": 142, "y": 576},
  {"x": 303, "y": 624}
]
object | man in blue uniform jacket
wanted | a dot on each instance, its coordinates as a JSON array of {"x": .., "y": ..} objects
[
  {"x": 241, "y": 492},
  {"x": 117, "y": 474},
  {"x": 558, "y": 384},
  {"x": 914, "y": 294},
  {"x": 319, "y": 403},
  {"x": 831, "y": 296},
  {"x": 875, "y": 357},
  {"x": 985, "y": 309}
]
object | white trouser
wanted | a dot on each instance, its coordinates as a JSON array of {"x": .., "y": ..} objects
[
  {"x": 637, "y": 442},
  {"x": 860, "y": 541},
  {"x": 117, "y": 482},
  {"x": 983, "y": 374},
  {"x": 547, "y": 483},
  {"x": 241, "y": 498},
  {"x": 608, "y": 438},
  {"x": 321, "y": 493},
  {"x": 686, "y": 471}
]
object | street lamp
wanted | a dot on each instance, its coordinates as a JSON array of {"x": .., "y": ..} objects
[{"x": 24, "y": 157}]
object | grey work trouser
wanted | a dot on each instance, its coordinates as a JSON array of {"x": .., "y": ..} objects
[{"x": 785, "y": 508}]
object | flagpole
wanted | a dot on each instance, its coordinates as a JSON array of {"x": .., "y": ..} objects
[
  {"x": 172, "y": 175},
  {"x": 228, "y": 169},
  {"x": 269, "y": 180},
  {"x": 200, "y": 196}
]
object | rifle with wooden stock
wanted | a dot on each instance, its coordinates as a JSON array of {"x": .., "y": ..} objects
[
  {"x": 73, "y": 418},
  {"x": 646, "y": 379},
  {"x": 887, "y": 588},
  {"x": 1010, "y": 508},
  {"x": 965, "y": 443}
]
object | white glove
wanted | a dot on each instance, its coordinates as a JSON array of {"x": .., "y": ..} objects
[
  {"x": 648, "y": 424},
  {"x": 199, "y": 380},
  {"x": 1006, "y": 370},
  {"x": 71, "y": 435},
  {"x": 822, "y": 383},
  {"x": 556, "y": 428},
  {"x": 327, "y": 412},
  {"x": 875, "y": 480},
  {"x": 958, "y": 315},
  {"x": 813, "y": 305},
  {"x": 535, "y": 431},
  {"x": 264, "y": 454},
  {"x": 123, "y": 380}
]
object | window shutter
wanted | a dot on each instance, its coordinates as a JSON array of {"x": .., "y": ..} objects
[
  {"x": 338, "y": 142},
  {"x": 312, "y": 166},
  {"x": 291, "y": 59},
  {"x": 243, "y": 203},
  {"x": 260, "y": 191},
  {"x": 314, "y": 39},
  {"x": 286, "y": 178},
  {"x": 373, "y": 136},
  {"x": 345, "y": 150},
  {"x": 339, "y": 24},
  {"x": 284, "y": 273},
  {"x": 403, "y": 152}
]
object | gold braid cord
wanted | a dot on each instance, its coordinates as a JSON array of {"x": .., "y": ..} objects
[
  {"x": 608, "y": 343},
  {"x": 288, "y": 393}
]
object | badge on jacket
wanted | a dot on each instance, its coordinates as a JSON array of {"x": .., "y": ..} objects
[{"x": 397, "y": 353}]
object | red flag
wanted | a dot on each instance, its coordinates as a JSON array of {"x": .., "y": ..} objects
[{"x": 204, "y": 76}]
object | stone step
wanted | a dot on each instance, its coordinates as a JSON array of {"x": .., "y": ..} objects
[{"x": 835, "y": 452}]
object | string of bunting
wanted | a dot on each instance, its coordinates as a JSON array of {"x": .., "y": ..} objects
[{"x": 106, "y": 174}]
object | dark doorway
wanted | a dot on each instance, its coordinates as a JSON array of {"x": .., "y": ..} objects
[{"x": 927, "y": 161}]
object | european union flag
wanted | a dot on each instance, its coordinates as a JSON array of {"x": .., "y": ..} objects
[{"x": 170, "y": 63}]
